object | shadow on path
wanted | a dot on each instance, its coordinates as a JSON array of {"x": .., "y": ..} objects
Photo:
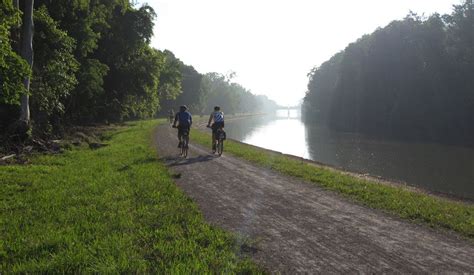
[{"x": 177, "y": 160}]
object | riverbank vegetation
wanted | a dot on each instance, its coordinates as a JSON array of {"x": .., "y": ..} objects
[
  {"x": 410, "y": 80},
  {"x": 415, "y": 206},
  {"x": 109, "y": 210},
  {"x": 202, "y": 92},
  {"x": 94, "y": 63}
]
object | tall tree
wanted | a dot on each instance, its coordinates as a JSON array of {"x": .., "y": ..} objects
[{"x": 27, "y": 54}]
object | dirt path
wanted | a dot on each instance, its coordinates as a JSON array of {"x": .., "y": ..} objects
[{"x": 300, "y": 227}]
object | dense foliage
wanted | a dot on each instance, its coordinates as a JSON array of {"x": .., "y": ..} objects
[
  {"x": 202, "y": 92},
  {"x": 410, "y": 80},
  {"x": 93, "y": 63},
  {"x": 231, "y": 96},
  {"x": 54, "y": 71},
  {"x": 13, "y": 69}
]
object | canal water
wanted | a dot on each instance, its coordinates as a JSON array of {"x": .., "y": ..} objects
[{"x": 442, "y": 168}]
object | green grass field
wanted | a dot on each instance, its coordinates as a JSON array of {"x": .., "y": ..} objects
[
  {"x": 415, "y": 206},
  {"x": 110, "y": 210}
]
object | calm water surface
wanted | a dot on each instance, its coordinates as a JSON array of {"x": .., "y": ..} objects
[{"x": 442, "y": 168}]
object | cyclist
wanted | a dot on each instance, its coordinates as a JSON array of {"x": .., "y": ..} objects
[
  {"x": 218, "y": 117},
  {"x": 171, "y": 115},
  {"x": 184, "y": 120}
]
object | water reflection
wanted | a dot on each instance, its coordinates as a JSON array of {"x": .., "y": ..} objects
[
  {"x": 282, "y": 135},
  {"x": 448, "y": 169}
]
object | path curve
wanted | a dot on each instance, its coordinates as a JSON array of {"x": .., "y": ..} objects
[{"x": 300, "y": 227}]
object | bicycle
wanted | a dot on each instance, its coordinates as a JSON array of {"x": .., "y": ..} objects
[
  {"x": 184, "y": 143},
  {"x": 219, "y": 137}
]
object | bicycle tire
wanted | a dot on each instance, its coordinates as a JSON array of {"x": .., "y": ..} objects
[
  {"x": 220, "y": 147},
  {"x": 184, "y": 148}
]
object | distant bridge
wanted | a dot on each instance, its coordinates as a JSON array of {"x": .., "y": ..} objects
[
  {"x": 297, "y": 107},
  {"x": 293, "y": 112}
]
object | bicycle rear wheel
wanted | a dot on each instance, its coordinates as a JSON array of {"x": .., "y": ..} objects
[
  {"x": 220, "y": 147},
  {"x": 184, "y": 147}
]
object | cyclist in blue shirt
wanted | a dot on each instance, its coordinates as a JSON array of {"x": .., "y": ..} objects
[
  {"x": 184, "y": 120},
  {"x": 218, "y": 117}
]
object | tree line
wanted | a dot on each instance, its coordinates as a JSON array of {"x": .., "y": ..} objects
[
  {"x": 201, "y": 92},
  {"x": 91, "y": 62},
  {"x": 410, "y": 80}
]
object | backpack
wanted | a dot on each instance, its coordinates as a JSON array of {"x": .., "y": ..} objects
[{"x": 218, "y": 117}]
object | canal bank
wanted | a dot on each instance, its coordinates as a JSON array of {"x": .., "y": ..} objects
[
  {"x": 441, "y": 169},
  {"x": 404, "y": 201}
]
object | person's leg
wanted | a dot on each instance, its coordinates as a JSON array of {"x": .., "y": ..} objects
[
  {"x": 213, "y": 142},
  {"x": 217, "y": 126},
  {"x": 213, "y": 138},
  {"x": 189, "y": 132},
  {"x": 180, "y": 134}
]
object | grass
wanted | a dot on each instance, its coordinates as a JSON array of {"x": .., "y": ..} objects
[
  {"x": 415, "y": 206},
  {"x": 110, "y": 210}
]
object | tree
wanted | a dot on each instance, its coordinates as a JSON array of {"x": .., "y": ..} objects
[
  {"x": 27, "y": 54},
  {"x": 170, "y": 77},
  {"x": 86, "y": 22},
  {"x": 409, "y": 80},
  {"x": 135, "y": 73},
  {"x": 54, "y": 73},
  {"x": 13, "y": 68}
]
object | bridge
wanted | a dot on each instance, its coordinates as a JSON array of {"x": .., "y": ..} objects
[
  {"x": 296, "y": 107},
  {"x": 292, "y": 112}
]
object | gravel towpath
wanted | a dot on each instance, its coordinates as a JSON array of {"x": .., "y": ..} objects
[{"x": 299, "y": 227}]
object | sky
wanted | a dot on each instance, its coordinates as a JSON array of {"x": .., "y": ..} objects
[{"x": 272, "y": 45}]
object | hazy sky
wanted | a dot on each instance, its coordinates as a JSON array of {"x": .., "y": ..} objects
[{"x": 272, "y": 44}]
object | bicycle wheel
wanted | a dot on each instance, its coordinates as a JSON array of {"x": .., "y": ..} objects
[
  {"x": 220, "y": 147},
  {"x": 185, "y": 146},
  {"x": 181, "y": 149}
]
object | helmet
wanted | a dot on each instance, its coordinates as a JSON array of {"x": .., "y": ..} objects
[
  {"x": 217, "y": 108},
  {"x": 183, "y": 107}
]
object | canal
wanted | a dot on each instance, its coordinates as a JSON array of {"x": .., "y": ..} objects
[{"x": 436, "y": 167}]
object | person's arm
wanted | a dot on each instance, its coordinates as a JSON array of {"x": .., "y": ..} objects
[
  {"x": 210, "y": 119},
  {"x": 175, "y": 119},
  {"x": 190, "y": 119}
]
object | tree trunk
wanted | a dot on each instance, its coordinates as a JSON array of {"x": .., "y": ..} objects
[
  {"x": 27, "y": 54},
  {"x": 16, "y": 3}
]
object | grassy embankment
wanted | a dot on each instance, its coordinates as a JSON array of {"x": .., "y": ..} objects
[
  {"x": 415, "y": 206},
  {"x": 111, "y": 210}
]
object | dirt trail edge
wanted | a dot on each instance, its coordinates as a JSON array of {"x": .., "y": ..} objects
[{"x": 299, "y": 227}]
